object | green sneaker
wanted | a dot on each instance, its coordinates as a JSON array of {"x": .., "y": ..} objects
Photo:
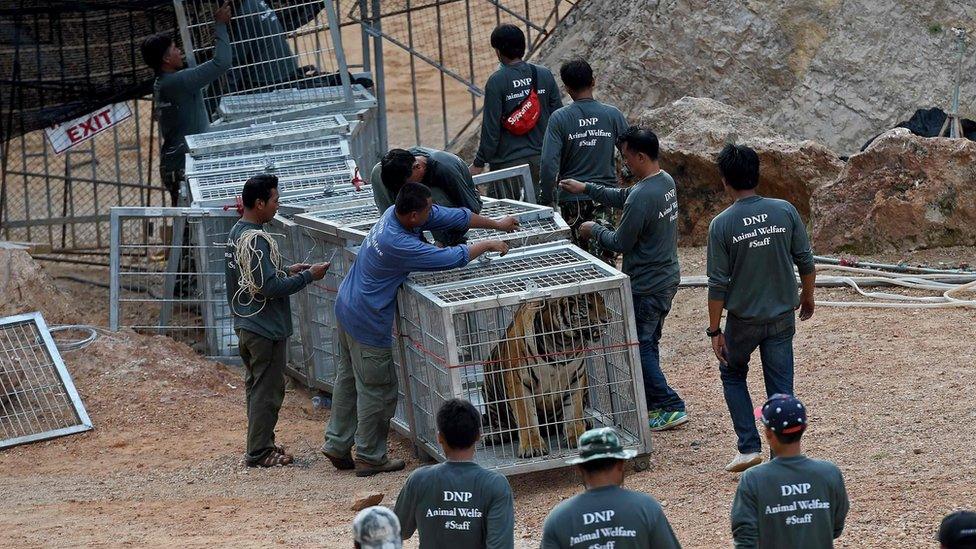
[{"x": 662, "y": 421}]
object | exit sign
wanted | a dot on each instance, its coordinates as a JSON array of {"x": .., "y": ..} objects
[{"x": 68, "y": 134}]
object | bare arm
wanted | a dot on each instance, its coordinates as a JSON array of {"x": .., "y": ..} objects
[
  {"x": 507, "y": 224},
  {"x": 808, "y": 281},
  {"x": 478, "y": 248}
]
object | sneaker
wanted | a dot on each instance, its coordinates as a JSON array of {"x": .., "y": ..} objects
[
  {"x": 743, "y": 462},
  {"x": 662, "y": 421},
  {"x": 364, "y": 469}
]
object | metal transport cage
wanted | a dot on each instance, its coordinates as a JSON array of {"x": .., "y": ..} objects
[
  {"x": 321, "y": 100},
  {"x": 329, "y": 148},
  {"x": 291, "y": 245},
  {"x": 222, "y": 188},
  {"x": 330, "y": 230},
  {"x": 542, "y": 341},
  {"x": 267, "y": 134}
]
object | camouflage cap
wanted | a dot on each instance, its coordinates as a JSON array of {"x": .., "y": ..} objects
[
  {"x": 601, "y": 443},
  {"x": 377, "y": 528}
]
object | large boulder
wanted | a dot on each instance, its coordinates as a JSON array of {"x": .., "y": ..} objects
[
  {"x": 833, "y": 71},
  {"x": 693, "y": 131},
  {"x": 904, "y": 192}
]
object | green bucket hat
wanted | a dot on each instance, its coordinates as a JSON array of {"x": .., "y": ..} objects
[{"x": 601, "y": 443}]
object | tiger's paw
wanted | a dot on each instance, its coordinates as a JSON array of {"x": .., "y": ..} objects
[
  {"x": 574, "y": 430},
  {"x": 532, "y": 446}
]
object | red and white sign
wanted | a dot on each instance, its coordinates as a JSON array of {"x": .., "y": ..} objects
[{"x": 67, "y": 135}]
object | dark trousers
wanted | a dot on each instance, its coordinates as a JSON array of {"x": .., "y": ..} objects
[
  {"x": 775, "y": 342},
  {"x": 172, "y": 179},
  {"x": 264, "y": 390},
  {"x": 513, "y": 189},
  {"x": 650, "y": 311}
]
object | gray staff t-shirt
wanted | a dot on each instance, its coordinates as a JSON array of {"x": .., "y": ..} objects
[
  {"x": 457, "y": 504},
  {"x": 579, "y": 144},
  {"x": 608, "y": 517},
  {"x": 752, "y": 247},
  {"x": 794, "y": 502}
]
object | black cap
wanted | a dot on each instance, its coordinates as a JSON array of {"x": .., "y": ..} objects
[
  {"x": 783, "y": 414},
  {"x": 958, "y": 530}
]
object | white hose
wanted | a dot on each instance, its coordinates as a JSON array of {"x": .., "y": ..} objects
[
  {"x": 245, "y": 252},
  {"x": 66, "y": 346},
  {"x": 947, "y": 290}
]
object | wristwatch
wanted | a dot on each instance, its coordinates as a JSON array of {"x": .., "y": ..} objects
[{"x": 709, "y": 333}]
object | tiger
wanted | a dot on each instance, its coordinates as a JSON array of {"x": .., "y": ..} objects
[{"x": 539, "y": 369}]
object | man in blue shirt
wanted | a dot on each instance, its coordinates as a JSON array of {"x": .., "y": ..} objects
[{"x": 365, "y": 395}]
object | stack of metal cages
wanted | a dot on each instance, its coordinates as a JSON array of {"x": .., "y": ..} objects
[
  {"x": 288, "y": 236},
  {"x": 542, "y": 341},
  {"x": 300, "y": 153}
]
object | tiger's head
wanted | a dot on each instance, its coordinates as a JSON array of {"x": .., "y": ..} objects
[{"x": 573, "y": 321}]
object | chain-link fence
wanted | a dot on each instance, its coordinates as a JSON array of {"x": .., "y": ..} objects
[
  {"x": 428, "y": 58},
  {"x": 433, "y": 58},
  {"x": 64, "y": 199}
]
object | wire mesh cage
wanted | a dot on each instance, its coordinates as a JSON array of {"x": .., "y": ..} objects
[
  {"x": 542, "y": 341},
  {"x": 38, "y": 399},
  {"x": 294, "y": 204},
  {"x": 293, "y": 249},
  {"x": 312, "y": 101},
  {"x": 291, "y": 48},
  {"x": 222, "y": 188},
  {"x": 333, "y": 147},
  {"x": 267, "y": 134},
  {"x": 167, "y": 276},
  {"x": 334, "y": 229}
]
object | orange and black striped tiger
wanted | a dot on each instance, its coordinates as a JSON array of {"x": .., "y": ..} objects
[{"x": 536, "y": 377}]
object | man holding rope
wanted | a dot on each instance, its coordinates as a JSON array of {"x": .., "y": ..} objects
[
  {"x": 365, "y": 395},
  {"x": 752, "y": 248},
  {"x": 258, "y": 291}
]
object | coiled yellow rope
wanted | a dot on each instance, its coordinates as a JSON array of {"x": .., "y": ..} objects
[{"x": 245, "y": 251}]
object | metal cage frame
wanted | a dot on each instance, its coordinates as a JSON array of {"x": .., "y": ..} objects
[
  {"x": 425, "y": 292},
  {"x": 70, "y": 391},
  {"x": 521, "y": 172},
  {"x": 213, "y": 309}
]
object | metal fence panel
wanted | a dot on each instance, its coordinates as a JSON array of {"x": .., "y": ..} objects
[
  {"x": 38, "y": 399},
  {"x": 167, "y": 276},
  {"x": 63, "y": 199}
]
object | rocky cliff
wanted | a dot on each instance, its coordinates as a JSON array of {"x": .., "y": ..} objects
[
  {"x": 835, "y": 71},
  {"x": 693, "y": 131}
]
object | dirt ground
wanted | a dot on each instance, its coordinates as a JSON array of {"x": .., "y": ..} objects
[{"x": 889, "y": 393}]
